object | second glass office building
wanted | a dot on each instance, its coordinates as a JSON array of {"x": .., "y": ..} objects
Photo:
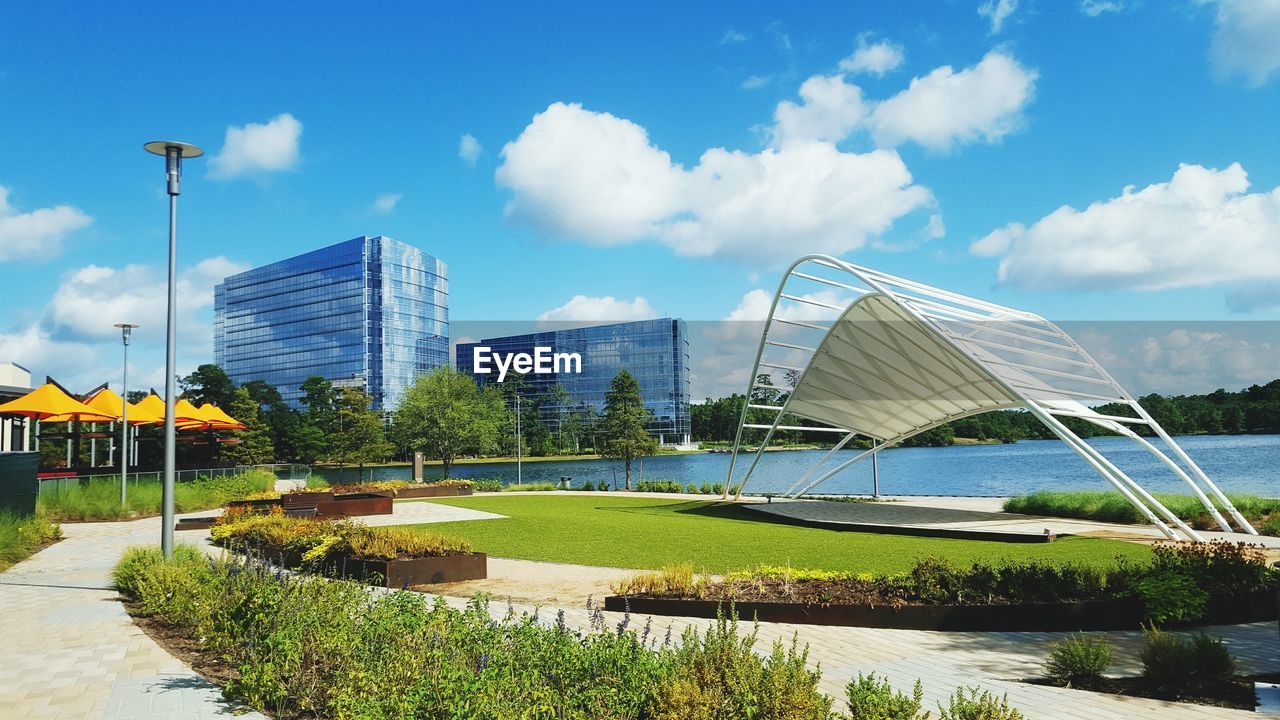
[
  {"x": 370, "y": 312},
  {"x": 656, "y": 352}
]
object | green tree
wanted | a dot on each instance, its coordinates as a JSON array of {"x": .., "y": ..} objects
[
  {"x": 320, "y": 398},
  {"x": 255, "y": 446},
  {"x": 445, "y": 415},
  {"x": 208, "y": 384},
  {"x": 281, "y": 421},
  {"x": 623, "y": 424},
  {"x": 359, "y": 436}
]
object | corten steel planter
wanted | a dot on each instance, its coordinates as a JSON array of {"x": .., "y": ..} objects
[
  {"x": 400, "y": 573},
  {"x": 409, "y": 572},
  {"x": 305, "y": 499},
  {"x": 426, "y": 491},
  {"x": 354, "y": 505},
  {"x": 1122, "y": 614},
  {"x": 195, "y": 523},
  {"x": 259, "y": 505}
]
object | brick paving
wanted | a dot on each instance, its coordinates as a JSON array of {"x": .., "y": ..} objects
[{"x": 74, "y": 653}]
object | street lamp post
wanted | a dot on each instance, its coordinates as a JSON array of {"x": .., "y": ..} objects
[
  {"x": 173, "y": 153},
  {"x": 126, "y": 329}
]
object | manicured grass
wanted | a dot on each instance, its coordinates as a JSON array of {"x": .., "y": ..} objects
[
  {"x": 99, "y": 499},
  {"x": 22, "y": 535},
  {"x": 649, "y": 533},
  {"x": 1263, "y": 513}
]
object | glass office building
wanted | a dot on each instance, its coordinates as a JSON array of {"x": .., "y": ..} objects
[
  {"x": 371, "y": 312},
  {"x": 656, "y": 352}
]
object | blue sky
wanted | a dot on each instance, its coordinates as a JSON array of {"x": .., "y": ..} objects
[{"x": 667, "y": 156}]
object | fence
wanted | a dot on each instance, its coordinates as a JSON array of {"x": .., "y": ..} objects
[{"x": 282, "y": 471}]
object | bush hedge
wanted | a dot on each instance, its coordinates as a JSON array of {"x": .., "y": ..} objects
[{"x": 302, "y": 646}]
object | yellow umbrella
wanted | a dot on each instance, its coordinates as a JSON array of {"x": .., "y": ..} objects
[
  {"x": 48, "y": 402},
  {"x": 151, "y": 406},
  {"x": 219, "y": 420}
]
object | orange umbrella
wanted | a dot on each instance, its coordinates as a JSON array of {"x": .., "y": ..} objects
[{"x": 48, "y": 402}]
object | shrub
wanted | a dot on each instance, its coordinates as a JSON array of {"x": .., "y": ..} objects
[
  {"x": 1167, "y": 661},
  {"x": 691, "y": 488},
  {"x": 99, "y": 498},
  {"x": 1179, "y": 665},
  {"x": 968, "y": 704},
  {"x": 23, "y": 535},
  {"x": 177, "y": 590},
  {"x": 487, "y": 485},
  {"x": 531, "y": 487},
  {"x": 1079, "y": 660},
  {"x": 588, "y": 486},
  {"x": 673, "y": 580},
  {"x": 872, "y": 699},
  {"x": 662, "y": 486},
  {"x": 1171, "y": 597},
  {"x": 705, "y": 489},
  {"x": 717, "y": 675},
  {"x": 317, "y": 539}
]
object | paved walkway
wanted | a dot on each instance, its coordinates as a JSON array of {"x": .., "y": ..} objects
[{"x": 75, "y": 654}]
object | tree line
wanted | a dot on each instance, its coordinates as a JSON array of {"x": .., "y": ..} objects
[
  {"x": 445, "y": 415},
  {"x": 1255, "y": 409}
]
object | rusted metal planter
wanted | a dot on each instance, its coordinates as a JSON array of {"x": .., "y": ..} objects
[
  {"x": 1121, "y": 614},
  {"x": 426, "y": 491},
  {"x": 258, "y": 505},
  {"x": 353, "y": 505},
  {"x": 399, "y": 573},
  {"x": 195, "y": 523},
  {"x": 310, "y": 498}
]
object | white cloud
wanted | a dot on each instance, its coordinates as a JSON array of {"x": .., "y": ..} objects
[
  {"x": 90, "y": 300},
  {"x": 873, "y": 58},
  {"x": 830, "y": 110},
  {"x": 1196, "y": 357},
  {"x": 1094, "y": 8},
  {"x": 1200, "y": 228},
  {"x": 38, "y": 233},
  {"x": 733, "y": 37},
  {"x": 75, "y": 341},
  {"x": 469, "y": 149},
  {"x": 946, "y": 107},
  {"x": 597, "y": 178},
  {"x": 997, "y": 11},
  {"x": 1246, "y": 40},
  {"x": 582, "y": 308},
  {"x": 258, "y": 148},
  {"x": 755, "y": 82},
  {"x": 386, "y": 203}
]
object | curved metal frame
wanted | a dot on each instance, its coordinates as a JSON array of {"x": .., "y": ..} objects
[{"x": 1036, "y": 377}]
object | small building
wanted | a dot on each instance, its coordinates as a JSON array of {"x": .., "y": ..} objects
[
  {"x": 15, "y": 432},
  {"x": 371, "y": 312},
  {"x": 656, "y": 352}
]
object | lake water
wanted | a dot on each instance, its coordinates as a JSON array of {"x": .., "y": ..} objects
[{"x": 1237, "y": 463}]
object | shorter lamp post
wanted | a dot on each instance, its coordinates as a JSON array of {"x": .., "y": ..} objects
[{"x": 126, "y": 329}]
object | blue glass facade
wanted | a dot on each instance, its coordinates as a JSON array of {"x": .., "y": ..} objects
[
  {"x": 656, "y": 352},
  {"x": 371, "y": 312}
]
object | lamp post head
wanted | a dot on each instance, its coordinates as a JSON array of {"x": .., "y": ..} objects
[
  {"x": 126, "y": 329},
  {"x": 173, "y": 152}
]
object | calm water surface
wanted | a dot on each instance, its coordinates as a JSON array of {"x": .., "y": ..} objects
[{"x": 1238, "y": 463}]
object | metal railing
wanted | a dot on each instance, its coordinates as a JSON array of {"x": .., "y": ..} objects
[{"x": 282, "y": 471}]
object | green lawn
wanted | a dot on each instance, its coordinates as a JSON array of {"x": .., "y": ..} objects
[{"x": 650, "y": 533}]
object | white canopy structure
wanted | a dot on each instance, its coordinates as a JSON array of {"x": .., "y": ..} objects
[{"x": 885, "y": 358}]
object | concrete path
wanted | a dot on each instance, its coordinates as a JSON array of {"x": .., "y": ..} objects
[
  {"x": 74, "y": 653},
  {"x": 71, "y": 650}
]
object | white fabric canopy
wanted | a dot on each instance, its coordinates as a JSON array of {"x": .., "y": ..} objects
[{"x": 899, "y": 358}]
